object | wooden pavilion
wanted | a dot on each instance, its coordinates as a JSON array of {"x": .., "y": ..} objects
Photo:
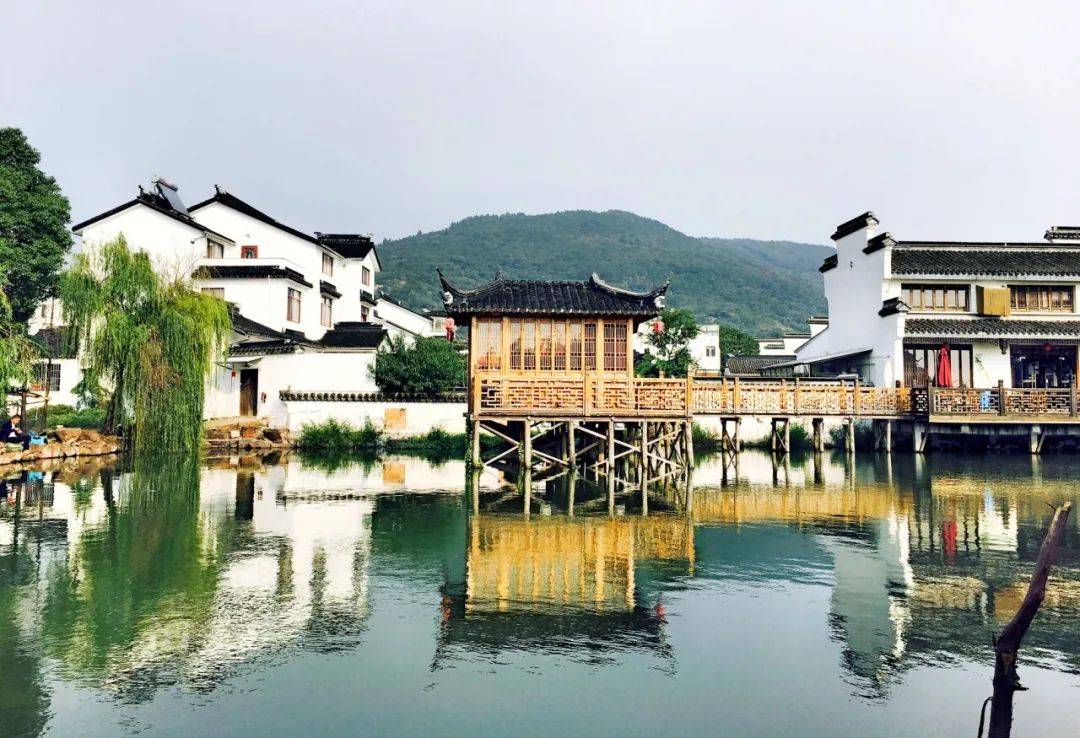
[{"x": 551, "y": 374}]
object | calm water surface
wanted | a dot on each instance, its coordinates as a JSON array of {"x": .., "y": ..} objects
[{"x": 171, "y": 597}]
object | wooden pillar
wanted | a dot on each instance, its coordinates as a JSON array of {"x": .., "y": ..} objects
[
  {"x": 787, "y": 436},
  {"x": 526, "y": 460},
  {"x": 644, "y": 467},
  {"x": 818, "y": 435},
  {"x": 772, "y": 435},
  {"x": 919, "y": 435},
  {"x": 849, "y": 436},
  {"x": 738, "y": 434},
  {"x": 571, "y": 444},
  {"x": 571, "y": 485},
  {"x": 611, "y": 446},
  {"x": 474, "y": 444},
  {"x": 887, "y": 433},
  {"x": 688, "y": 443},
  {"x": 1036, "y": 439}
]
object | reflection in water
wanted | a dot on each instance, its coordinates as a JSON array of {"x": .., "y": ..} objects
[{"x": 153, "y": 584}]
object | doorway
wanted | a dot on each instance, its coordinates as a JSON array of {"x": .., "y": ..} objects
[
  {"x": 1044, "y": 366},
  {"x": 249, "y": 391}
]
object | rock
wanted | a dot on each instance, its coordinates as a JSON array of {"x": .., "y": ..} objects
[
  {"x": 234, "y": 433},
  {"x": 273, "y": 435},
  {"x": 10, "y": 457},
  {"x": 249, "y": 431},
  {"x": 91, "y": 435},
  {"x": 68, "y": 435}
]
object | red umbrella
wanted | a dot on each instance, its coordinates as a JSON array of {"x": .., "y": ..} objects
[{"x": 944, "y": 367}]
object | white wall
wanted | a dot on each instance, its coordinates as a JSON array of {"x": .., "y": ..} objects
[
  {"x": 420, "y": 417},
  {"x": 173, "y": 247},
  {"x": 400, "y": 321}
]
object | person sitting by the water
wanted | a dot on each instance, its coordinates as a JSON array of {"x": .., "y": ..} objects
[{"x": 11, "y": 432}]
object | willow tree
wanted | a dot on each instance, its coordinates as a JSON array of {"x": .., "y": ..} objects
[
  {"x": 150, "y": 342},
  {"x": 17, "y": 352}
]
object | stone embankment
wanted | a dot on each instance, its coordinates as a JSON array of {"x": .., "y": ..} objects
[
  {"x": 252, "y": 435},
  {"x": 64, "y": 443}
]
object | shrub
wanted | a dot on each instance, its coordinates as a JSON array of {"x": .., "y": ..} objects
[
  {"x": 429, "y": 367},
  {"x": 864, "y": 436},
  {"x": 67, "y": 416},
  {"x": 336, "y": 435}
]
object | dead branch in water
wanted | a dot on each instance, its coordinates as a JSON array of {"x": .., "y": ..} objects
[{"x": 1007, "y": 645}]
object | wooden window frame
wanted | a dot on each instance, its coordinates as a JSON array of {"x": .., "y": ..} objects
[
  {"x": 326, "y": 312},
  {"x": 929, "y": 297},
  {"x": 327, "y": 264},
  {"x": 365, "y": 276},
  {"x": 293, "y": 297},
  {"x": 214, "y": 249},
  {"x": 1045, "y": 295}
]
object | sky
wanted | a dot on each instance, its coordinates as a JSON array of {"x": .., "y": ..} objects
[{"x": 773, "y": 120}]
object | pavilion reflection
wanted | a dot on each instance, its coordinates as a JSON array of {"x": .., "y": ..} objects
[{"x": 583, "y": 586}]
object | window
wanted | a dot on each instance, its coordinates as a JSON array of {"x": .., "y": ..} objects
[
  {"x": 328, "y": 265},
  {"x": 54, "y": 376},
  {"x": 489, "y": 345},
  {"x": 544, "y": 352},
  {"x": 514, "y": 329},
  {"x": 935, "y": 297},
  {"x": 558, "y": 344},
  {"x": 590, "y": 347},
  {"x": 293, "y": 314},
  {"x": 364, "y": 313},
  {"x": 614, "y": 347},
  {"x": 575, "y": 347},
  {"x": 710, "y": 350},
  {"x": 218, "y": 292},
  {"x": 365, "y": 276},
  {"x": 528, "y": 348},
  {"x": 214, "y": 249},
  {"x": 920, "y": 365},
  {"x": 249, "y": 252},
  {"x": 326, "y": 316},
  {"x": 1041, "y": 298}
]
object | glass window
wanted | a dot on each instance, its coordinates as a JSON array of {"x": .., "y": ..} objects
[
  {"x": 935, "y": 297},
  {"x": 326, "y": 316},
  {"x": 54, "y": 376},
  {"x": 489, "y": 345},
  {"x": 1041, "y": 298},
  {"x": 558, "y": 343},
  {"x": 364, "y": 313},
  {"x": 214, "y": 249},
  {"x": 614, "y": 347},
  {"x": 218, "y": 292},
  {"x": 365, "y": 276},
  {"x": 528, "y": 351},
  {"x": 590, "y": 347},
  {"x": 327, "y": 264},
  {"x": 575, "y": 347},
  {"x": 293, "y": 309},
  {"x": 544, "y": 350},
  {"x": 515, "y": 344}
]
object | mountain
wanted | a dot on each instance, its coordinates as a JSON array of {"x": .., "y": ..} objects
[{"x": 756, "y": 286}]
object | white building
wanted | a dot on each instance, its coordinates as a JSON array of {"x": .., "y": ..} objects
[
  {"x": 403, "y": 321},
  {"x": 788, "y": 343},
  {"x": 1002, "y": 312},
  {"x": 304, "y": 306}
]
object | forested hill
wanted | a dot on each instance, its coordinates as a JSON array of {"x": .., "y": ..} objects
[{"x": 756, "y": 286}]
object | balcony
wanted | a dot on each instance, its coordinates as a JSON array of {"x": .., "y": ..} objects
[{"x": 267, "y": 268}]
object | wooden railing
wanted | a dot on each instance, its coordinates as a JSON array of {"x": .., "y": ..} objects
[{"x": 606, "y": 395}]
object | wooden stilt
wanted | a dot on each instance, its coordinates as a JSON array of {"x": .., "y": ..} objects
[
  {"x": 849, "y": 436},
  {"x": 610, "y": 447},
  {"x": 571, "y": 484},
  {"x": 818, "y": 439},
  {"x": 787, "y": 436},
  {"x": 571, "y": 426},
  {"x": 645, "y": 468},
  {"x": 474, "y": 444},
  {"x": 688, "y": 443}
]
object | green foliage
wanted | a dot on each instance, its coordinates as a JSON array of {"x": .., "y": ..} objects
[
  {"x": 335, "y": 435},
  {"x": 437, "y": 445},
  {"x": 430, "y": 367},
  {"x": 864, "y": 436},
  {"x": 151, "y": 341},
  {"x": 33, "y": 226},
  {"x": 669, "y": 352},
  {"x": 705, "y": 441},
  {"x": 66, "y": 416},
  {"x": 756, "y": 286},
  {"x": 17, "y": 352},
  {"x": 734, "y": 341}
]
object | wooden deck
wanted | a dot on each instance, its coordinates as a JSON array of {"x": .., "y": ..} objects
[{"x": 494, "y": 395}]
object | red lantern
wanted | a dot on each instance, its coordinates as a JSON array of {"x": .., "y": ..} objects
[
  {"x": 658, "y": 326},
  {"x": 450, "y": 329},
  {"x": 1047, "y": 347}
]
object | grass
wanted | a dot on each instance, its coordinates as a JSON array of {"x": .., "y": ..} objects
[
  {"x": 335, "y": 435},
  {"x": 337, "y": 441}
]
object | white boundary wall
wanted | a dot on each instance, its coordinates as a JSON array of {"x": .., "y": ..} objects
[{"x": 420, "y": 417}]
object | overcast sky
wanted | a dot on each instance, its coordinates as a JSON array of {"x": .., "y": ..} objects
[{"x": 757, "y": 119}]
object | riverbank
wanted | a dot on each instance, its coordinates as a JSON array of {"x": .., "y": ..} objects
[{"x": 63, "y": 443}]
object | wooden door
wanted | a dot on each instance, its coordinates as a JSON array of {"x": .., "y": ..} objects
[{"x": 249, "y": 391}]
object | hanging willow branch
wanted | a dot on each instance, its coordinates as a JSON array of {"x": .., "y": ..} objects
[
  {"x": 17, "y": 352},
  {"x": 150, "y": 342}
]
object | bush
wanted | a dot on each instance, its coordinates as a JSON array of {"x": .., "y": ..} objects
[
  {"x": 65, "y": 415},
  {"x": 705, "y": 441},
  {"x": 335, "y": 435},
  {"x": 864, "y": 436},
  {"x": 430, "y": 367}
]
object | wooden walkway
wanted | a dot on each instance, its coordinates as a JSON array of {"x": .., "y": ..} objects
[{"x": 600, "y": 396}]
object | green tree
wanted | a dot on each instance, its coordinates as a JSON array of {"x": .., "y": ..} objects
[
  {"x": 429, "y": 367},
  {"x": 17, "y": 352},
  {"x": 33, "y": 225},
  {"x": 734, "y": 341},
  {"x": 669, "y": 349},
  {"x": 151, "y": 342}
]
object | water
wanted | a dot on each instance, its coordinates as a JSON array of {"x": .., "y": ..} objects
[{"x": 175, "y": 598}]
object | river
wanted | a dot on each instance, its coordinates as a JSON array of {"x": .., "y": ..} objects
[{"x": 288, "y": 597}]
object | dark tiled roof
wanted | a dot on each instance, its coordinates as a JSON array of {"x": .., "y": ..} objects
[
  {"x": 851, "y": 226},
  {"x": 829, "y": 263},
  {"x": 248, "y": 327},
  {"x": 59, "y": 342},
  {"x": 348, "y": 245},
  {"x": 326, "y": 288},
  {"x": 354, "y": 335},
  {"x": 892, "y": 306},
  {"x": 991, "y": 328},
  {"x": 256, "y": 271},
  {"x": 273, "y": 346},
  {"x": 1063, "y": 233},
  {"x": 752, "y": 364},
  {"x": 537, "y": 297},
  {"x": 984, "y": 260},
  {"x": 156, "y": 203},
  {"x": 231, "y": 201},
  {"x": 879, "y": 242}
]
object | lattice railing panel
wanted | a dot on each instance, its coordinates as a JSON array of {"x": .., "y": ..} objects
[{"x": 660, "y": 395}]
